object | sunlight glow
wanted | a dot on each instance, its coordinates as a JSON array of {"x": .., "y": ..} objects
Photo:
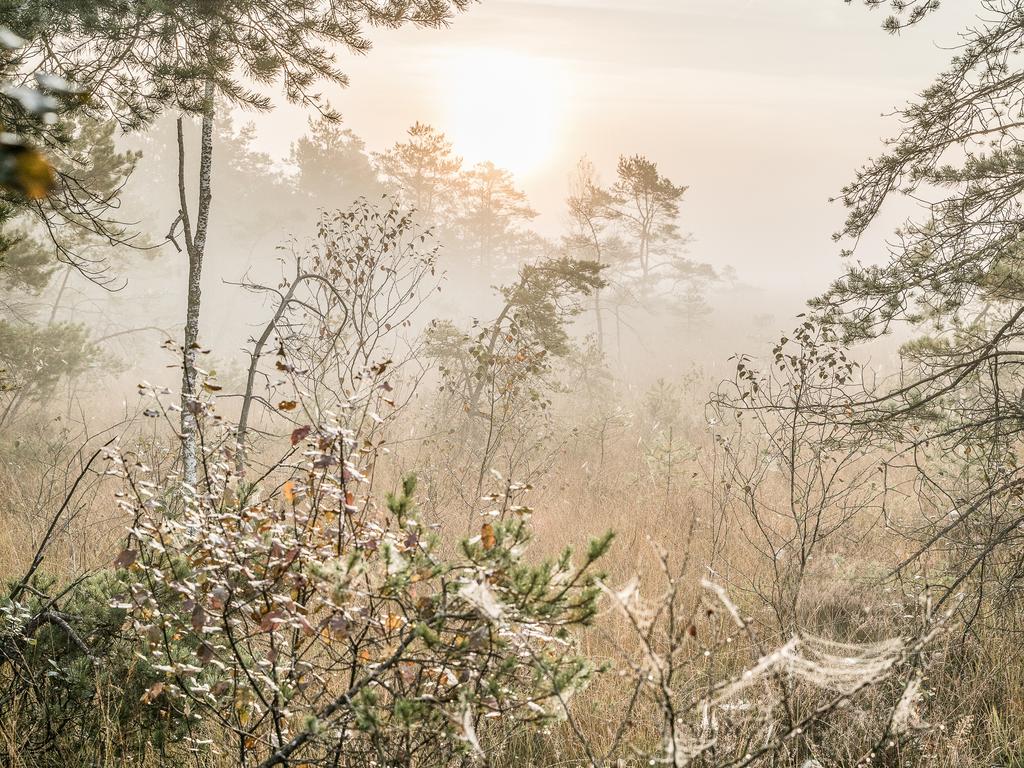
[{"x": 505, "y": 107}]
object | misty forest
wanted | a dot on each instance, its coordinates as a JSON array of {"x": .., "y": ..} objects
[{"x": 480, "y": 383}]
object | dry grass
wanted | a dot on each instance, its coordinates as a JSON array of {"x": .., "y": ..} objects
[{"x": 975, "y": 695}]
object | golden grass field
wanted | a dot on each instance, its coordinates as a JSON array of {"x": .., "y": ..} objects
[{"x": 973, "y": 707}]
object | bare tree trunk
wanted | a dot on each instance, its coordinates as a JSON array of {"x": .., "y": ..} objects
[
  {"x": 60, "y": 295},
  {"x": 597, "y": 291},
  {"x": 196, "y": 247},
  {"x": 645, "y": 257},
  {"x": 618, "y": 333}
]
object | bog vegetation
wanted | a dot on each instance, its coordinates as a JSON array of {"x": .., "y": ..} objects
[{"x": 398, "y": 492}]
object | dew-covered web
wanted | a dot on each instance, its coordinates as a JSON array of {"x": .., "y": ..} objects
[{"x": 748, "y": 707}]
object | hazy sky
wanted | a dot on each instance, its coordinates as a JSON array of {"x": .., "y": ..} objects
[{"x": 763, "y": 107}]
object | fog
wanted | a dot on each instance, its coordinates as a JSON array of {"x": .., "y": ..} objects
[
  {"x": 511, "y": 383},
  {"x": 764, "y": 110},
  {"x": 763, "y": 114}
]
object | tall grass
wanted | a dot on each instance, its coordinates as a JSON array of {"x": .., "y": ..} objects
[{"x": 973, "y": 710}]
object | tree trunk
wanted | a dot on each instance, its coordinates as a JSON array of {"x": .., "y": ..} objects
[
  {"x": 475, "y": 394},
  {"x": 644, "y": 257},
  {"x": 618, "y": 333},
  {"x": 60, "y": 295},
  {"x": 597, "y": 291},
  {"x": 196, "y": 247}
]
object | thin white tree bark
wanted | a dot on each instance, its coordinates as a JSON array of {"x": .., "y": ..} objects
[{"x": 196, "y": 246}]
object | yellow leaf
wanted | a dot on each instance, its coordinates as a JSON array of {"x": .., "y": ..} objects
[
  {"x": 287, "y": 405},
  {"x": 32, "y": 175},
  {"x": 289, "y": 491}
]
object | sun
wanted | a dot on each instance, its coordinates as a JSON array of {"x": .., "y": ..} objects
[{"x": 505, "y": 107}]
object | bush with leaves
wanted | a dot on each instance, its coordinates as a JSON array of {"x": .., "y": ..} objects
[
  {"x": 343, "y": 322},
  {"x": 71, "y": 680},
  {"x": 796, "y": 479},
  {"x": 498, "y": 377},
  {"x": 319, "y": 632},
  {"x": 33, "y": 361}
]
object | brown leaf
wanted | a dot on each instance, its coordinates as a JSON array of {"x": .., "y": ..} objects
[
  {"x": 300, "y": 433},
  {"x": 152, "y": 692},
  {"x": 268, "y": 622},
  {"x": 205, "y": 653},
  {"x": 287, "y": 405},
  {"x": 212, "y": 387},
  {"x": 325, "y": 460},
  {"x": 487, "y": 536},
  {"x": 198, "y": 618},
  {"x": 339, "y": 625},
  {"x": 126, "y": 558},
  {"x": 218, "y": 597},
  {"x": 408, "y": 670}
]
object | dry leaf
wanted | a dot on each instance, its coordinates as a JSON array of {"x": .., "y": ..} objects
[
  {"x": 487, "y": 536},
  {"x": 270, "y": 620},
  {"x": 205, "y": 653},
  {"x": 28, "y": 173},
  {"x": 126, "y": 558},
  {"x": 198, "y": 618},
  {"x": 152, "y": 692},
  {"x": 289, "y": 491},
  {"x": 300, "y": 433}
]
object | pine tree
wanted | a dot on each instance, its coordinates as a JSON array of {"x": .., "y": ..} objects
[
  {"x": 954, "y": 278},
  {"x": 590, "y": 212},
  {"x": 136, "y": 60},
  {"x": 423, "y": 173},
  {"x": 332, "y": 166},
  {"x": 648, "y": 204},
  {"x": 492, "y": 210},
  {"x": 59, "y": 234}
]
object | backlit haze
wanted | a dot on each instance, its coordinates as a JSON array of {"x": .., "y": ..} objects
[{"x": 763, "y": 108}]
